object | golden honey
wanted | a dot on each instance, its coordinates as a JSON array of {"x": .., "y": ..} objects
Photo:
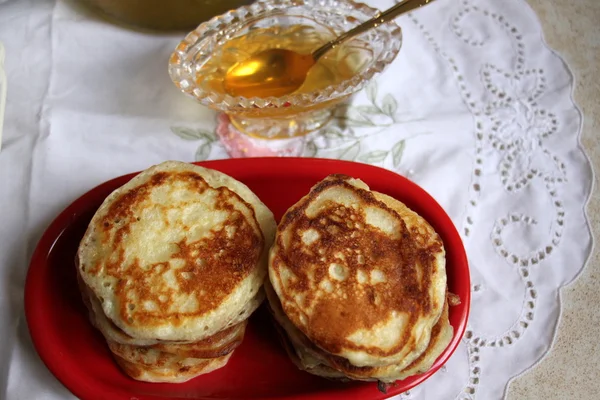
[{"x": 336, "y": 66}]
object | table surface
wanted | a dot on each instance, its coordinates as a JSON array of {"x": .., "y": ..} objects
[{"x": 572, "y": 367}]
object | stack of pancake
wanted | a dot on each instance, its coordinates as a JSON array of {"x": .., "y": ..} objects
[
  {"x": 357, "y": 284},
  {"x": 171, "y": 267}
]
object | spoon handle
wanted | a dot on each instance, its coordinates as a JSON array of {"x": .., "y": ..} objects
[{"x": 381, "y": 18}]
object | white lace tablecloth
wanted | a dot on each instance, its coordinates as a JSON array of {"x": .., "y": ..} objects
[{"x": 476, "y": 109}]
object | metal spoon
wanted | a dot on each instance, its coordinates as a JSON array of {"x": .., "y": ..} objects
[{"x": 277, "y": 72}]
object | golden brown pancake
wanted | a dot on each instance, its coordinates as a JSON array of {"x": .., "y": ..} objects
[
  {"x": 165, "y": 361},
  {"x": 358, "y": 273},
  {"x": 308, "y": 357},
  {"x": 177, "y": 252},
  {"x": 212, "y": 344},
  {"x": 172, "y": 266}
]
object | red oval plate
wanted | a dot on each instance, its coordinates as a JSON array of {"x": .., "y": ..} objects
[{"x": 78, "y": 356}]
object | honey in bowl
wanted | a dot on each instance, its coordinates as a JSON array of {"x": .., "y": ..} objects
[
  {"x": 337, "y": 66},
  {"x": 200, "y": 62}
]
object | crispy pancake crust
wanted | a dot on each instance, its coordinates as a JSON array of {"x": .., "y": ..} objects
[
  {"x": 177, "y": 252},
  {"x": 355, "y": 278}
]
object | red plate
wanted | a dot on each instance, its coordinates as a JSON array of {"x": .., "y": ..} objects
[{"x": 78, "y": 356}]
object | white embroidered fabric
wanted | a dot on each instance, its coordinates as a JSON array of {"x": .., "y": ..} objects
[{"x": 476, "y": 109}]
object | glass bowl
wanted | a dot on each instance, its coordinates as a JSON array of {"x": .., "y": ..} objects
[{"x": 302, "y": 25}]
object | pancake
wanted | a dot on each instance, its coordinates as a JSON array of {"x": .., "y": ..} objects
[
  {"x": 164, "y": 361},
  {"x": 441, "y": 336},
  {"x": 208, "y": 345},
  {"x": 306, "y": 356},
  {"x": 217, "y": 345},
  {"x": 171, "y": 267},
  {"x": 298, "y": 356},
  {"x": 296, "y": 344},
  {"x": 156, "y": 366},
  {"x": 177, "y": 254},
  {"x": 360, "y": 276}
]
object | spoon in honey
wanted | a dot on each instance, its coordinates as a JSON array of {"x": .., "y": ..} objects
[{"x": 277, "y": 72}]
